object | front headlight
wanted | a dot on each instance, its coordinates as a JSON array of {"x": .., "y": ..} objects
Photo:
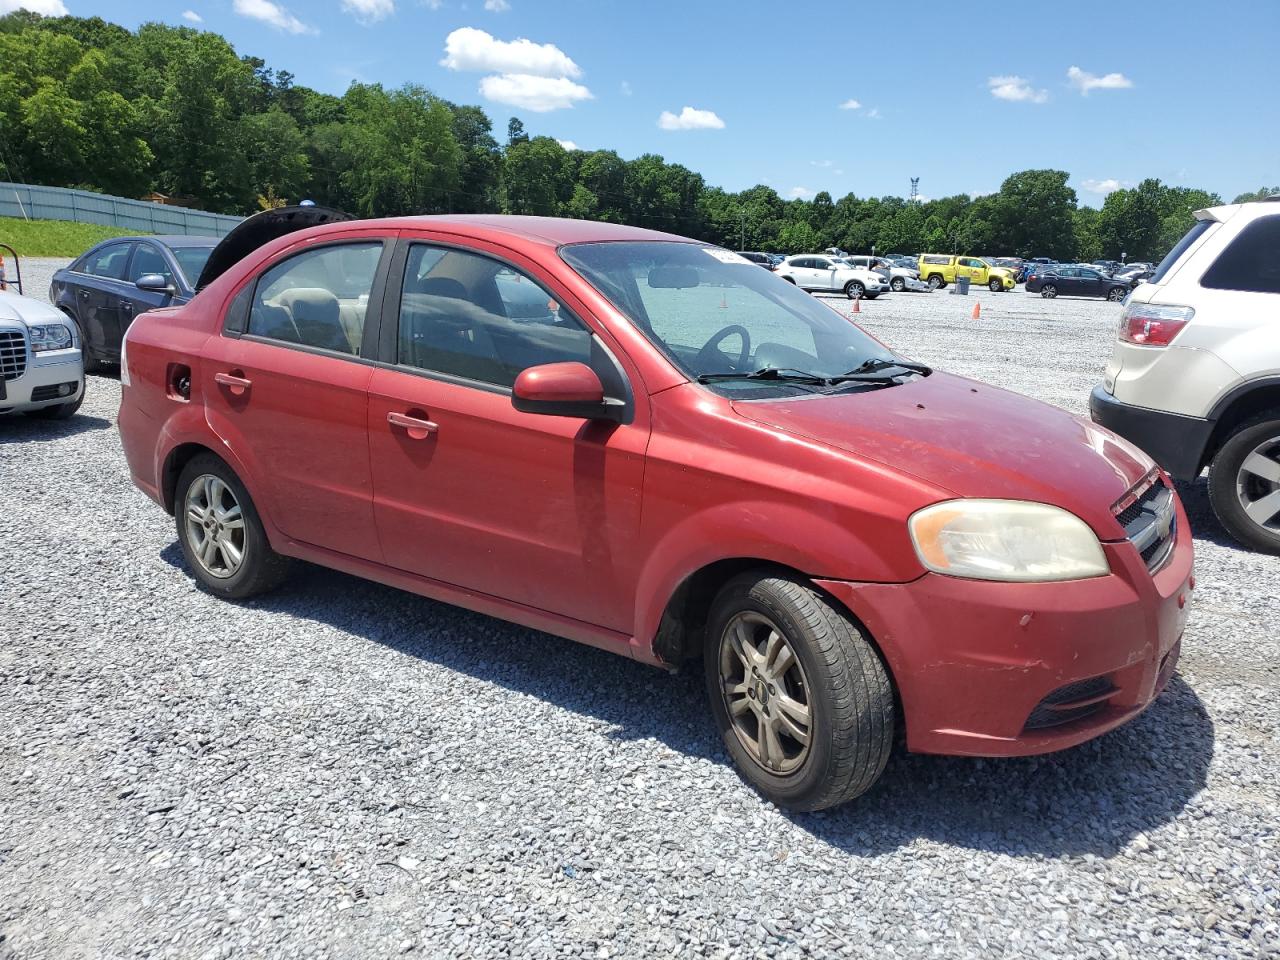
[
  {"x": 1010, "y": 540},
  {"x": 49, "y": 336}
]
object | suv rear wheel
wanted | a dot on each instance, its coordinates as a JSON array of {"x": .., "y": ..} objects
[
  {"x": 1244, "y": 483},
  {"x": 221, "y": 535},
  {"x": 799, "y": 695}
]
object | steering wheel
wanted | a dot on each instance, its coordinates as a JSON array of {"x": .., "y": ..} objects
[{"x": 710, "y": 351}]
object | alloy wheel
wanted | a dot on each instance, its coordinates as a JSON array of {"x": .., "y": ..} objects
[
  {"x": 1116, "y": 295},
  {"x": 1258, "y": 485},
  {"x": 215, "y": 526},
  {"x": 765, "y": 692},
  {"x": 1049, "y": 291}
]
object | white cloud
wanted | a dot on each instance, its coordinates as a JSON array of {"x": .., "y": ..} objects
[
  {"x": 46, "y": 8},
  {"x": 690, "y": 119},
  {"x": 497, "y": 6},
  {"x": 1017, "y": 89},
  {"x": 272, "y": 14},
  {"x": 838, "y": 173},
  {"x": 851, "y": 104},
  {"x": 975, "y": 194},
  {"x": 626, "y": 88},
  {"x": 820, "y": 163},
  {"x": 470, "y": 49},
  {"x": 568, "y": 144},
  {"x": 800, "y": 193},
  {"x": 1110, "y": 185},
  {"x": 1084, "y": 81},
  {"x": 433, "y": 4},
  {"x": 192, "y": 17},
  {"x": 539, "y": 94},
  {"x": 369, "y": 11},
  {"x": 873, "y": 113}
]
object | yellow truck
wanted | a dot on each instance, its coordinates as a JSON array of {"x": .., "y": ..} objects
[{"x": 939, "y": 269}]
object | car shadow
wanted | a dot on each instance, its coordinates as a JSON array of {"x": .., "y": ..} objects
[
  {"x": 1204, "y": 522},
  {"x": 19, "y": 428},
  {"x": 1093, "y": 799}
]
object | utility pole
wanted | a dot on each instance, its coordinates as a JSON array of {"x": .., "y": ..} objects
[
  {"x": 742, "y": 220},
  {"x": 915, "y": 189}
]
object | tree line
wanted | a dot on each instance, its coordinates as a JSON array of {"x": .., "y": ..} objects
[{"x": 87, "y": 103}]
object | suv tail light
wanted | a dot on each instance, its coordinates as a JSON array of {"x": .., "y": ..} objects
[{"x": 1153, "y": 325}]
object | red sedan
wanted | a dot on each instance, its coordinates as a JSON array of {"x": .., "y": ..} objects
[{"x": 646, "y": 443}]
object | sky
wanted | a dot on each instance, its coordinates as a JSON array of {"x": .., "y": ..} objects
[{"x": 807, "y": 97}]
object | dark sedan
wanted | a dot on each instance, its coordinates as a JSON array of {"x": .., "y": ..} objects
[
  {"x": 118, "y": 279},
  {"x": 1060, "y": 281}
]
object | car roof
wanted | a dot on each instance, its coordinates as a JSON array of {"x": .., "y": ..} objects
[
  {"x": 181, "y": 240},
  {"x": 553, "y": 231}
]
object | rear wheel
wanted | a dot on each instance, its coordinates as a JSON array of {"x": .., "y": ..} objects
[
  {"x": 799, "y": 695},
  {"x": 1048, "y": 291},
  {"x": 91, "y": 362},
  {"x": 854, "y": 290},
  {"x": 1244, "y": 483},
  {"x": 221, "y": 534},
  {"x": 936, "y": 282}
]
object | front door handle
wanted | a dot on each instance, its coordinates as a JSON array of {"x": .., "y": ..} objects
[
  {"x": 126, "y": 306},
  {"x": 236, "y": 385},
  {"x": 418, "y": 428}
]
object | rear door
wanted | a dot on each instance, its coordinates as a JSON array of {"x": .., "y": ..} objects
[
  {"x": 290, "y": 386},
  {"x": 100, "y": 289},
  {"x": 539, "y": 510}
]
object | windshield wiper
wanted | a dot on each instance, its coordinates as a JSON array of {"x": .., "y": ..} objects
[
  {"x": 876, "y": 364},
  {"x": 780, "y": 374}
]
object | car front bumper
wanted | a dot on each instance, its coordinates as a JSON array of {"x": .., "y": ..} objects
[
  {"x": 1174, "y": 441},
  {"x": 42, "y": 376},
  {"x": 976, "y": 662}
]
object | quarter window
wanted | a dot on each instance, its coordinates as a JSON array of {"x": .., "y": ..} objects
[
  {"x": 1251, "y": 262},
  {"x": 109, "y": 262},
  {"x": 319, "y": 298},
  {"x": 470, "y": 316}
]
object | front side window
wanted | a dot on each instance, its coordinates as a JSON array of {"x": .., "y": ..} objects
[
  {"x": 147, "y": 259},
  {"x": 318, "y": 298},
  {"x": 710, "y": 314},
  {"x": 191, "y": 261},
  {"x": 109, "y": 262},
  {"x": 467, "y": 315},
  {"x": 1251, "y": 262}
]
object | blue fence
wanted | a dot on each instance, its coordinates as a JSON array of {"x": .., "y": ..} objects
[{"x": 59, "y": 203}]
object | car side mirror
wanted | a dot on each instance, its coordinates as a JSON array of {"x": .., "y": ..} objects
[
  {"x": 154, "y": 283},
  {"x": 567, "y": 389}
]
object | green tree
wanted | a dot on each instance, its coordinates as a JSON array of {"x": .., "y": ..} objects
[
  {"x": 1033, "y": 214},
  {"x": 536, "y": 178},
  {"x": 1260, "y": 194}
]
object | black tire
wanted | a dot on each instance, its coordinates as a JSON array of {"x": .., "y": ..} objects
[
  {"x": 854, "y": 290},
  {"x": 261, "y": 568},
  {"x": 91, "y": 362},
  {"x": 897, "y": 284},
  {"x": 995, "y": 286},
  {"x": 1116, "y": 294},
  {"x": 61, "y": 411},
  {"x": 789, "y": 280},
  {"x": 849, "y": 694},
  {"x": 1049, "y": 291},
  {"x": 1226, "y": 482},
  {"x": 936, "y": 282}
]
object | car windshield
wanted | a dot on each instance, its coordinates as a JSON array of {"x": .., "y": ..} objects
[
  {"x": 712, "y": 316},
  {"x": 191, "y": 260}
]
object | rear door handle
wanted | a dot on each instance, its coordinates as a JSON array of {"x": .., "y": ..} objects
[
  {"x": 237, "y": 385},
  {"x": 418, "y": 428}
]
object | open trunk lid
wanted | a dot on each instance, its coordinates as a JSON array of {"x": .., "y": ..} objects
[{"x": 253, "y": 232}]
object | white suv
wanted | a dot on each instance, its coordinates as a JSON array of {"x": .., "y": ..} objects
[
  {"x": 1195, "y": 376},
  {"x": 824, "y": 274}
]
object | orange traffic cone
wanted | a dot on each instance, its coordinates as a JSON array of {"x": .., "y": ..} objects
[
  {"x": 857, "y": 301},
  {"x": 977, "y": 310}
]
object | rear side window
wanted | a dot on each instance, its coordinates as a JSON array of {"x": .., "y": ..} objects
[
  {"x": 108, "y": 262},
  {"x": 937, "y": 260},
  {"x": 1251, "y": 261},
  {"x": 1190, "y": 237},
  {"x": 318, "y": 298}
]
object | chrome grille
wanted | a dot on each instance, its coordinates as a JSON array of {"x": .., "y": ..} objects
[
  {"x": 1150, "y": 521},
  {"x": 13, "y": 354}
]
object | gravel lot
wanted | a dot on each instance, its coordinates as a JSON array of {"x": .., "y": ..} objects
[{"x": 341, "y": 769}]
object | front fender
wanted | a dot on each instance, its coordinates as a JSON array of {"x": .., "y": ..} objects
[{"x": 766, "y": 531}]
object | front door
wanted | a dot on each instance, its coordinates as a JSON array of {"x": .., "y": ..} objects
[
  {"x": 146, "y": 259},
  {"x": 469, "y": 491},
  {"x": 291, "y": 392}
]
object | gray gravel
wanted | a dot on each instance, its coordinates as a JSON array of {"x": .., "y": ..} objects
[{"x": 341, "y": 769}]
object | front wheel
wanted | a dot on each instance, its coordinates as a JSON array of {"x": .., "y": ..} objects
[
  {"x": 936, "y": 282},
  {"x": 799, "y": 695},
  {"x": 897, "y": 284},
  {"x": 1244, "y": 483},
  {"x": 221, "y": 534},
  {"x": 995, "y": 286},
  {"x": 854, "y": 290},
  {"x": 1116, "y": 294},
  {"x": 1048, "y": 291},
  {"x": 62, "y": 411}
]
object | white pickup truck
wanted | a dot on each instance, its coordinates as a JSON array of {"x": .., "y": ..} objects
[{"x": 41, "y": 368}]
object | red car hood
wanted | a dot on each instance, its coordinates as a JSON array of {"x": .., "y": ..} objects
[{"x": 972, "y": 440}]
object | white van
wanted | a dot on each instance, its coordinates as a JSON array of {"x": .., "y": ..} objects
[{"x": 1195, "y": 376}]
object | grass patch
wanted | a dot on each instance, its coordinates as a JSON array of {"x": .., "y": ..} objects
[{"x": 55, "y": 238}]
